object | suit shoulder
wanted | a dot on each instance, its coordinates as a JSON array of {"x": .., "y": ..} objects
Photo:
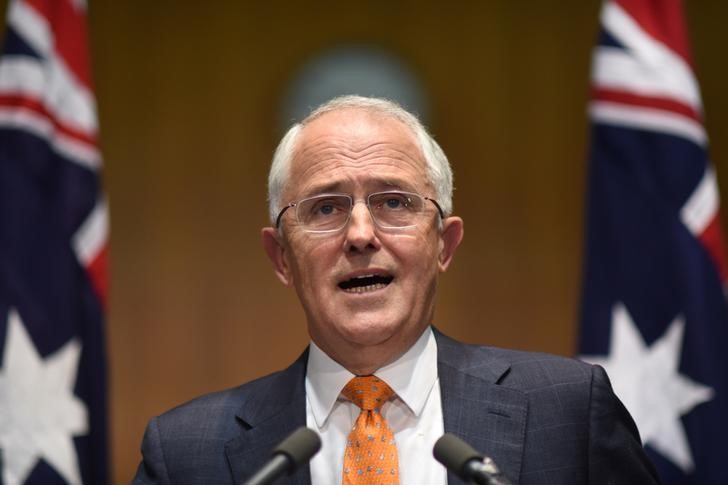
[
  {"x": 521, "y": 369},
  {"x": 538, "y": 369},
  {"x": 190, "y": 440},
  {"x": 207, "y": 410}
]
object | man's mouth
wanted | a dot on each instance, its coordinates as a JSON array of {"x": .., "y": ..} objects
[{"x": 366, "y": 283}]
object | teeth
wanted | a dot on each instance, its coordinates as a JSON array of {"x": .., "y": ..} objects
[
  {"x": 364, "y": 289},
  {"x": 365, "y": 283}
]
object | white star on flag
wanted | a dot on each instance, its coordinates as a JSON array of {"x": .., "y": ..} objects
[
  {"x": 647, "y": 381},
  {"x": 39, "y": 414}
]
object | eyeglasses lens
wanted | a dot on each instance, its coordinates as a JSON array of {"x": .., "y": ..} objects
[
  {"x": 395, "y": 209},
  {"x": 324, "y": 213},
  {"x": 331, "y": 212}
]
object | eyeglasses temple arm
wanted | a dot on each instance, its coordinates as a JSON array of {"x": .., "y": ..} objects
[
  {"x": 293, "y": 204},
  {"x": 439, "y": 209}
]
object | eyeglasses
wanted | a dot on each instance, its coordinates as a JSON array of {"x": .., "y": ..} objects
[{"x": 331, "y": 212}]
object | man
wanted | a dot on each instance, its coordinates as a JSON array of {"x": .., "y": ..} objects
[{"x": 360, "y": 206}]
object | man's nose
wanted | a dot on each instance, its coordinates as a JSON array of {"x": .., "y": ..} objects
[{"x": 361, "y": 230}]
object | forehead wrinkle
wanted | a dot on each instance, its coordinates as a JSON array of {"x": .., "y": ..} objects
[
  {"x": 342, "y": 149},
  {"x": 384, "y": 153},
  {"x": 314, "y": 159}
]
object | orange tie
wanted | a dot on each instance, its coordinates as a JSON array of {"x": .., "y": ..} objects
[{"x": 371, "y": 453}]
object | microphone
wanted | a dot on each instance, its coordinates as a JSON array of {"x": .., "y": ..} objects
[
  {"x": 294, "y": 451},
  {"x": 461, "y": 459}
]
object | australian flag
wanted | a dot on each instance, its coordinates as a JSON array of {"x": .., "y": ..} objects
[
  {"x": 654, "y": 310},
  {"x": 53, "y": 239}
]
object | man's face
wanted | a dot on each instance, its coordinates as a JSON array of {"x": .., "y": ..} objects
[{"x": 360, "y": 321}]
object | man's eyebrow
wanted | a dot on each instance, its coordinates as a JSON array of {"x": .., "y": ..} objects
[
  {"x": 396, "y": 184},
  {"x": 393, "y": 184},
  {"x": 376, "y": 185},
  {"x": 320, "y": 189}
]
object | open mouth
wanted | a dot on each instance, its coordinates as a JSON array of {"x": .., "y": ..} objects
[{"x": 365, "y": 283}]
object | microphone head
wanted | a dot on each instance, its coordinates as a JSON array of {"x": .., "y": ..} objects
[
  {"x": 454, "y": 453},
  {"x": 299, "y": 446}
]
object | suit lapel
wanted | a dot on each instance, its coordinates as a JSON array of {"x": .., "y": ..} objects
[
  {"x": 267, "y": 418},
  {"x": 488, "y": 416}
]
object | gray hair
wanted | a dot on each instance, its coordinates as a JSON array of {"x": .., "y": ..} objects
[{"x": 437, "y": 167}]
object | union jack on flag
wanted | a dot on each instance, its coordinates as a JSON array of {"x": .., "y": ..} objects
[
  {"x": 654, "y": 311},
  {"x": 53, "y": 239}
]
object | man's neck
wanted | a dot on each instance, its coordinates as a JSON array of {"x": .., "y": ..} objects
[{"x": 364, "y": 360}]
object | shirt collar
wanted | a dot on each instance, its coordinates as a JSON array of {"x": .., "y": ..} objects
[{"x": 411, "y": 377}]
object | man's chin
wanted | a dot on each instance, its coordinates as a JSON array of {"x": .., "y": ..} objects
[
  {"x": 377, "y": 330},
  {"x": 364, "y": 328}
]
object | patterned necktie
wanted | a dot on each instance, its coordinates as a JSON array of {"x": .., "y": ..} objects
[{"x": 371, "y": 453}]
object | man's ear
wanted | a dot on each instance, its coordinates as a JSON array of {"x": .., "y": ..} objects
[
  {"x": 450, "y": 238},
  {"x": 276, "y": 253}
]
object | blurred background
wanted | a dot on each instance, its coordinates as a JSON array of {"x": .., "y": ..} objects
[{"x": 193, "y": 97}]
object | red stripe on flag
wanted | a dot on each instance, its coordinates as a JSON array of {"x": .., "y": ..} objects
[
  {"x": 68, "y": 24},
  {"x": 22, "y": 102},
  {"x": 98, "y": 270},
  {"x": 712, "y": 239},
  {"x": 663, "y": 20},
  {"x": 656, "y": 102}
]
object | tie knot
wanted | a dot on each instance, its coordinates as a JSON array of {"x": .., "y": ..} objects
[{"x": 367, "y": 392}]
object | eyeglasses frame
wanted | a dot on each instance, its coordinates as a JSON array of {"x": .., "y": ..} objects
[{"x": 351, "y": 208}]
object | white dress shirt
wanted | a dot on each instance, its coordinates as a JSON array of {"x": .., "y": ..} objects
[{"x": 414, "y": 413}]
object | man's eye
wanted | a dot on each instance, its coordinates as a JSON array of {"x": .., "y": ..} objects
[
  {"x": 395, "y": 202},
  {"x": 326, "y": 209}
]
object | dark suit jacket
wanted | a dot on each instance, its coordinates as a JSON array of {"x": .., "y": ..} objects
[{"x": 543, "y": 419}]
